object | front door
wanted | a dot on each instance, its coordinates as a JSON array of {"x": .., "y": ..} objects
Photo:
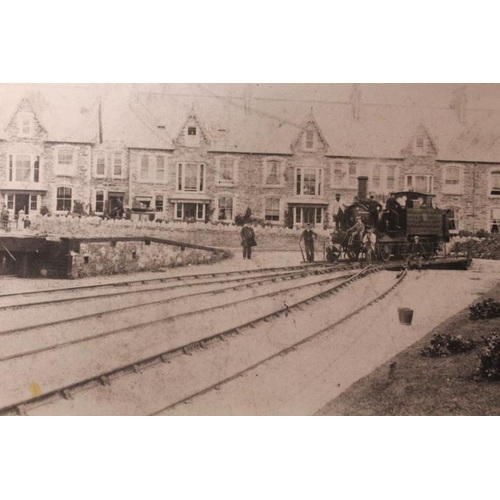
[
  {"x": 22, "y": 202},
  {"x": 116, "y": 205}
]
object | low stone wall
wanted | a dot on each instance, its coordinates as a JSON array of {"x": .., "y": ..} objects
[
  {"x": 106, "y": 256},
  {"x": 216, "y": 235}
]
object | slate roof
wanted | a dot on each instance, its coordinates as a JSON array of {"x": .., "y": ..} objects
[{"x": 265, "y": 126}]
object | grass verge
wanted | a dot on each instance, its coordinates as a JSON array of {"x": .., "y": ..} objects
[{"x": 411, "y": 384}]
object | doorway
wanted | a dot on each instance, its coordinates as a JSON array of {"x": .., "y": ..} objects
[
  {"x": 21, "y": 202},
  {"x": 116, "y": 207}
]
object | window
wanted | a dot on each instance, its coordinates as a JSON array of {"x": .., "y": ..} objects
[
  {"x": 191, "y": 130},
  {"x": 189, "y": 211},
  {"x": 420, "y": 183},
  {"x": 376, "y": 178},
  {"x": 23, "y": 168},
  {"x": 391, "y": 177},
  {"x": 99, "y": 201},
  {"x": 273, "y": 172},
  {"x": 190, "y": 177},
  {"x": 272, "y": 209},
  {"x": 33, "y": 202},
  {"x": 308, "y": 215},
  {"x": 63, "y": 199},
  {"x": 24, "y": 125},
  {"x": 353, "y": 174},
  {"x": 160, "y": 169},
  {"x": 453, "y": 219},
  {"x": 495, "y": 220},
  {"x": 309, "y": 139},
  {"x": 337, "y": 174},
  {"x": 65, "y": 162},
  {"x": 420, "y": 141},
  {"x": 10, "y": 201},
  {"x": 100, "y": 169},
  {"x": 309, "y": 181},
  {"x": 225, "y": 208},
  {"x": 452, "y": 179},
  {"x": 159, "y": 203},
  {"x": 144, "y": 168},
  {"x": 117, "y": 165},
  {"x": 495, "y": 184},
  {"x": 226, "y": 171}
]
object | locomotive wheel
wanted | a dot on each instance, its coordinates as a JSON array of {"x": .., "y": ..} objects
[
  {"x": 385, "y": 252},
  {"x": 429, "y": 250}
]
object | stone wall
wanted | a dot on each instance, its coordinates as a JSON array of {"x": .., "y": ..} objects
[{"x": 99, "y": 257}]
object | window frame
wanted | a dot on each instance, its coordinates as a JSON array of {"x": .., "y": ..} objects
[
  {"x": 334, "y": 164},
  {"x": 114, "y": 156},
  {"x": 100, "y": 155},
  {"x": 226, "y": 182},
  {"x": 63, "y": 211},
  {"x": 429, "y": 181},
  {"x": 11, "y": 169},
  {"x": 103, "y": 191},
  {"x": 180, "y": 204},
  {"x": 65, "y": 169},
  {"x": 318, "y": 186},
  {"x": 201, "y": 178},
  {"x": 456, "y": 218},
  {"x": 29, "y": 118},
  {"x": 157, "y": 196},
  {"x": 233, "y": 205},
  {"x": 453, "y": 188},
  {"x": 494, "y": 220},
  {"x": 266, "y": 199},
  {"x": 490, "y": 182}
]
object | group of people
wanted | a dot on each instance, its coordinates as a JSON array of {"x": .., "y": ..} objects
[{"x": 23, "y": 220}]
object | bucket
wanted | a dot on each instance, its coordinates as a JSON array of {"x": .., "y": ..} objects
[{"x": 405, "y": 315}]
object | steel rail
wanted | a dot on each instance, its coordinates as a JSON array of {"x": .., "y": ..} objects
[
  {"x": 285, "y": 351},
  {"x": 104, "y": 378},
  {"x": 165, "y": 279},
  {"x": 256, "y": 282}
]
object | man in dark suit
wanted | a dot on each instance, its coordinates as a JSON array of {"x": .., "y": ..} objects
[
  {"x": 416, "y": 253},
  {"x": 308, "y": 235},
  {"x": 247, "y": 240}
]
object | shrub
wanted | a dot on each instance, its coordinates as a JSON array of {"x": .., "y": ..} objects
[
  {"x": 489, "y": 359},
  {"x": 486, "y": 309},
  {"x": 44, "y": 210},
  {"x": 446, "y": 344},
  {"x": 482, "y": 233},
  {"x": 289, "y": 219},
  {"x": 241, "y": 220}
]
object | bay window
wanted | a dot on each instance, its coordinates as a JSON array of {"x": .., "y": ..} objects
[
  {"x": 23, "y": 168},
  {"x": 309, "y": 181}
]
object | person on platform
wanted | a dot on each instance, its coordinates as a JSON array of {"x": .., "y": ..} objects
[
  {"x": 5, "y": 218},
  {"x": 357, "y": 231},
  {"x": 369, "y": 242},
  {"x": 338, "y": 209},
  {"x": 416, "y": 253},
  {"x": 393, "y": 208},
  {"x": 308, "y": 235},
  {"x": 247, "y": 240}
]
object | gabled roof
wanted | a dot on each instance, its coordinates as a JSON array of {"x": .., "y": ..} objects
[{"x": 66, "y": 113}]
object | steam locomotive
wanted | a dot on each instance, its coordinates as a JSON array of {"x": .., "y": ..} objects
[{"x": 406, "y": 214}]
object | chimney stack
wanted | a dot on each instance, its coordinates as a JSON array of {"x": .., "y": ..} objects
[
  {"x": 362, "y": 188},
  {"x": 356, "y": 101},
  {"x": 459, "y": 103}
]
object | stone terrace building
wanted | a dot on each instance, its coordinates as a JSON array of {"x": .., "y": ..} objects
[{"x": 185, "y": 158}]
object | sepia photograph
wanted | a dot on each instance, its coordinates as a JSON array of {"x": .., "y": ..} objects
[{"x": 249, "y": 249}]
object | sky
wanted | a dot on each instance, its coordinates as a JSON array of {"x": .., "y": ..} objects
[{"x": 484, "y": 96}]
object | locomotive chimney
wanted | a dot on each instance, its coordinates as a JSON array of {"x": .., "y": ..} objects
[{"x": 362, "y": 188}]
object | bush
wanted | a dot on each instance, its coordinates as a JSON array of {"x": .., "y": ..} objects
[
  {"x": 489, "y": 359},
  {"x": 44, "y": 210},
  {"x": 289, "y": 219},
  {"x": 486, "y": 309},
  {"x": 482, "y": 233},
  {"x": 241, "y": 220},
  {"x": 443, "y": 345}
]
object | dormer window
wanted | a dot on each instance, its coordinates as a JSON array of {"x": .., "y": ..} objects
[
  {"x": 309, "y": 139},
  {"x": 191, "y": 130}
]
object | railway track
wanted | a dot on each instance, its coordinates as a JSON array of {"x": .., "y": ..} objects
[{"x": 103, "y": 377}]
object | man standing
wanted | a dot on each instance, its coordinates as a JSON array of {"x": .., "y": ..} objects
[
  {"x": 416, "y": 252},
  {"x": 338, "y": 209},
  {"x": 308, "y": 235},
  {"x": 369, "y": 242},
  {"x": 375, "y": 208},
  {"x": 247, "y": 240}
]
